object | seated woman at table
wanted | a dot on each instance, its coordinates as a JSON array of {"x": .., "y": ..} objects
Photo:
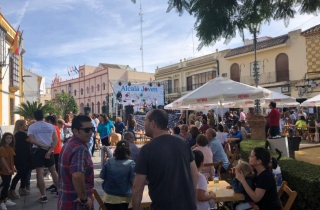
[
  {"x": 118, "y": 176},
  {"x": 194, "y": 133},
  {"x": 240, "y": 125},
  {"x": 202, "y": 142},
  {"x": 265, "y": 194},
  {"x": 221, "y": 135},
  {"x": 235, "y": 133},
  {"x": 301, "y": 122},
  {"x": 248, "y": 173},
  {"x": 203, "y": 196}
]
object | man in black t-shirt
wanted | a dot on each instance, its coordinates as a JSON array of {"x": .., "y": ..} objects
[{"x": 168, "y": 164}]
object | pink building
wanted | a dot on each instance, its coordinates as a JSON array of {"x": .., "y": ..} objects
[{"x": 94, "y": 84}]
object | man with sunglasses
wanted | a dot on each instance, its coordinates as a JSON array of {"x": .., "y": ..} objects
[{"x": 76, "y": 175}]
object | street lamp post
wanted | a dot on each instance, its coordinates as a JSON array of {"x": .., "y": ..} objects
[{"x": 255, "y": 28}]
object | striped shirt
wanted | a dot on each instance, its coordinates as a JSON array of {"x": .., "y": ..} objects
[{"x": 74, "y": 157}]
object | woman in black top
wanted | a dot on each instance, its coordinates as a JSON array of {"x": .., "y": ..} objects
[
  {"x": 131, "y": 124},
  {"x": 265, "y": 190},
  {"x": 21, "y": 159}
]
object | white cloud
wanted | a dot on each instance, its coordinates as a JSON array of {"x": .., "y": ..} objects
[{"x": 20, "y": 14}]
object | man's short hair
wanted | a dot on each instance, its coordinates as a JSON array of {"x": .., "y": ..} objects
[
  {"x": 78, "y": 120},
  {"x": 273, "y": 104},
  {"x": 127, "y": 135},
  {"x": 38, "y": 115},
  {"x": 212, "y": 132},
  {"x": 235, "y": 128},
  {"x": 176, "y": 130},
  {"x": 160, "y": 117}
]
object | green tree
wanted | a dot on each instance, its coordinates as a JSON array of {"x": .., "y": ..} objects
[
  {"x": 65, "y": 104},
  {"x": 216, "y": 19},
  {"x": 26, "y": 109}
]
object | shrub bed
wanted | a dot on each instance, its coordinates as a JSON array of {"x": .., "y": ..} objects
[{"x": 301, "y": 176}]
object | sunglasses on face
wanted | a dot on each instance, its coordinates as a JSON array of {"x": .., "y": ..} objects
[{"x": 87, "y": 130}]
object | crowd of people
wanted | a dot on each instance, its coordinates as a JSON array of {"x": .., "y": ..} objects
[{"x": 172, "y": 163}]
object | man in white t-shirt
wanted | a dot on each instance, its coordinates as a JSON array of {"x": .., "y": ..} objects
[
  {"x": 204, "y": 198},
  {"x": 44, "y": 138}
]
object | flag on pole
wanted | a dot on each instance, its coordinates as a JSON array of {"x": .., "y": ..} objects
[
  {"x": 20, "y": 45},
  {"x": 15, "y": 44},
  {"x": 68, "y": 72}
]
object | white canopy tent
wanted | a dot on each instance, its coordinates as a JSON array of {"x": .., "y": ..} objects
[
  {"x": 281, "y": 100},
  {"x": 219, "y": 91},
  {"x": 314, "y": 101}
]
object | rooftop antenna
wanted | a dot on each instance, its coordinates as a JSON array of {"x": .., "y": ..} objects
[{"x": 141, "y": 48}]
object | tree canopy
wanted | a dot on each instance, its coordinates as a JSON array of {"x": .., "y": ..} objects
[
  {"x": 65, "y": 104},
  {"x": 216, "y": 19},
  {"x": 26, "y": 109}
]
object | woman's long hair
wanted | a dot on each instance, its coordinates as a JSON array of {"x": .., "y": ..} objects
[
  {"x": 17, "y": 126},
  {"x": 105, "y": 119},
  {"x": 3, "y": 140},
  {"x": 130, "y": 120}
]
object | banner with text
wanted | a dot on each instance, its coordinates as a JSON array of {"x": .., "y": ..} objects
[{"x": 140, "y": 95}]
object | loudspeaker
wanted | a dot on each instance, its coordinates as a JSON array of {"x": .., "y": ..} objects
[{"x": 128, "y": 110}]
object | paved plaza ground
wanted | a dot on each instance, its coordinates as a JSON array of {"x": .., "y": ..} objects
[{"x": 30, "y": 202}]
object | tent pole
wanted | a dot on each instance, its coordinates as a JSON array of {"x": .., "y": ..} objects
[{"x": 221, "y": 112}]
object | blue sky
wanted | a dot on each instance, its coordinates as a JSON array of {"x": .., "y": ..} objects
[{"x": 63, "y": 33}]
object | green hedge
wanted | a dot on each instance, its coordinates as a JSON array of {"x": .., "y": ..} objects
[{"x": 301, "y": 176}]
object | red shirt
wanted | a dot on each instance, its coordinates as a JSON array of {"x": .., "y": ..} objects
[
  {"x": 274, "y": 117},
  {"x": 58, "y": 147}
]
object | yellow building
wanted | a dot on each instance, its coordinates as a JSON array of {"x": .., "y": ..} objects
[
  {"x": 289, "y": 64},
  {"x": 282, "y": 62},
  {"x": 180, "y": 78},
  {"x": 11, "y": 68}
]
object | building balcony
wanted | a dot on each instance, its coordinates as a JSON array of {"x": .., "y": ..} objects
[
  {"x": 267, "y": 78},
  {"x": 13, "y": 86}
]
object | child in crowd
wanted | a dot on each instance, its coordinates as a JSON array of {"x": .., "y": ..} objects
[
  {"x": 202, "y": 195},
  {"x": 248, "y": 173},
  {"x": 6, "y": 168}
]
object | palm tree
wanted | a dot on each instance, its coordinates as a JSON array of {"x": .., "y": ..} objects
[{"x": 26, "y": 109}]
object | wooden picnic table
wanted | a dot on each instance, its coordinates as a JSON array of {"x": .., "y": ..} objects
[
  {"x": 223, "y": 194},
  {"x": 233, "y": 139}
]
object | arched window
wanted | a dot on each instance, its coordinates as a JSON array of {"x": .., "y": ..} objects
[
  {"x": 92, "y": 89},
  {"x": 92, "y": 107},
  {"x": 235, "y": 72},
  {"x": 104, "y": 86},
  {"x": 87, "y": 89},
  {"x": 75, "y": 92},
  {"x": 98, "y": 87},
  {"x": 103, "y": 103},
  {"x": 98, "y": 107},
  {"x": 81, "y": 91},
  {"x": 81, "y": 108},
  {"x": 282, "y": 67}
]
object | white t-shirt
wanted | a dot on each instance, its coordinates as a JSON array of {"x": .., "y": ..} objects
[
  {"x": 202, "y": 185},
  {"x": 42, "y": 132},
  {"x": 222, "y": 137}
]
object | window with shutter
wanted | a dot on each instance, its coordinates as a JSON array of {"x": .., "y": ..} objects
[
  {"x": 235, "y": 72},
  {"x": 282, "y": 67}
]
